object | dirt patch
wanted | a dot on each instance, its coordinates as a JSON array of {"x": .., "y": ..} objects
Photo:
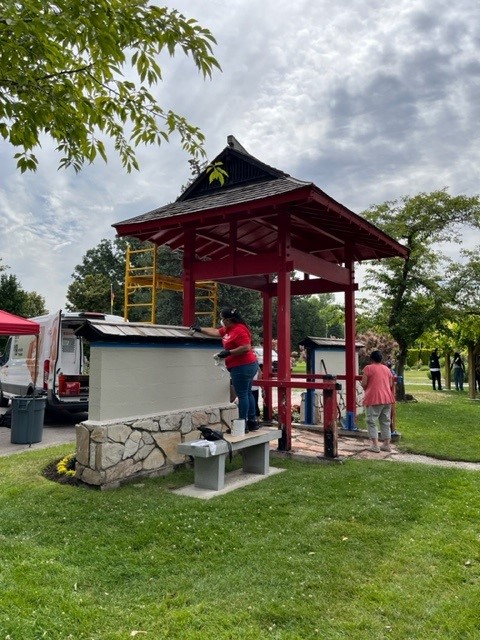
[{"x": 51, "y": 473}]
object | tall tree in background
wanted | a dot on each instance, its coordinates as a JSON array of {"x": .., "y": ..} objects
[
  {"x": 14, "y": 299},
  {"x": 317, "y": 316},
  {"x": 464, "y": 283},
  {"x": 34, "y": 305},
  {"x": 464, "y": 291},
  {"x": 81, "y": 72},
  {"x": 410, "y": 295},
  {"x": 101, "y": 268}
]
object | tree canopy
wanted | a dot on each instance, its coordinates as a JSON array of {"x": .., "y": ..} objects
[
  {"x": 411, "y": 295},
  {"x": 81, "y": 72},
  {"x": 317, "y": 316},
  {"x": 14, "y": 299}
]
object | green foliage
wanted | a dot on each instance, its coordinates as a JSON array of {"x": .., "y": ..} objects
[
  {"x": 410, "y": 294},
  {"x": 102, "y": 268},
  {"x": 91, "y": 293},
  {"x": 316, "y": 316},
  {"x": 216, "y": 171},
  {"x": 66, "y": 69},
  {"x": 14, "y": 299},
  {"x": 418, "y": 357},
  {"x": 464, "y": 282},
  {"x": 17, "y": 301}
]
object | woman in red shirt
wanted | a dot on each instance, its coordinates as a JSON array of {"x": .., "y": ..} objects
[
  {"x": 240, "y": 360},
  {"x": 377, "y": 381}
]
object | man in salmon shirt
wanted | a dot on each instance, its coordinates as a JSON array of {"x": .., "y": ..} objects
[
  {"x": 378, "y": 381},
  {"x": 240, "y": 360}
]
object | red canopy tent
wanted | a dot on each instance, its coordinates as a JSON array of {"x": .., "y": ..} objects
[{"x": 11, "y": 325}]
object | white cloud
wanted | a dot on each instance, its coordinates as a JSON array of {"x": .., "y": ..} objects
[{"x": 369, "y": 100}]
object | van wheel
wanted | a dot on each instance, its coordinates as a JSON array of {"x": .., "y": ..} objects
[{"x": 3, "y": 400}]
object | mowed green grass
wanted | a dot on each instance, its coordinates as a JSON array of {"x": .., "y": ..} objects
[
  {"x": 360, "y": 550},
  {"x": 444, "y": 424}
]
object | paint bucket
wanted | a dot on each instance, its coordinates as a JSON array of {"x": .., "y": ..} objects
[{"x": 238, "y": 428}]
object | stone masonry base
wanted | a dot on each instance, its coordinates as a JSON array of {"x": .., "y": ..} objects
[{"x": 112, "y": 452}]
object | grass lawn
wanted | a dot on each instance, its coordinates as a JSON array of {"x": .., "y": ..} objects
[
  {"x": 444, "y": 424},
  {"x": 361, "y": 550}
]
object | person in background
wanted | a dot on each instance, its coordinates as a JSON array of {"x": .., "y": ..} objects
[
  {"x": 477, "y": 373},
  {"x": 377, "y": 381},
  {"x": 434, "y": 365},
  {"x": 240, "y": 361},
  {"x": 391, "y": 365},
  {"x": 458, "y": 367}
]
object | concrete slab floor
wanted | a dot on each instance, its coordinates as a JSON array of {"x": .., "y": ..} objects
[
  {"x": 57, "y": 429},
  {"x": 233, "y": 480}
]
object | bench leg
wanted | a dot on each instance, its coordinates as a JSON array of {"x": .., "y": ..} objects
[
  {"x": 256, "y": 459},
  {"x": 210, "y": 472}
]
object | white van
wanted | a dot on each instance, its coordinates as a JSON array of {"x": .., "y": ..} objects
[
  {"x": 259, "y": 354},
  {"x": 62, "y": 364}
]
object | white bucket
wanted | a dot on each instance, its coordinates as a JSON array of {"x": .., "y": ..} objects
[{"x": 238, "y": 428}]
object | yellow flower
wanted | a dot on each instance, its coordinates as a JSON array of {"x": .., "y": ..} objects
[{"x": 66, "y": 466}]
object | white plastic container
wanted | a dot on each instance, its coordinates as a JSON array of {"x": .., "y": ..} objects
[{"x": 238, "y": 428}]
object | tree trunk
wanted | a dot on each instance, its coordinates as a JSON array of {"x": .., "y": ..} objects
[
  {"x": 472, "y": 393},
  {"x": 401, "y": 362}
]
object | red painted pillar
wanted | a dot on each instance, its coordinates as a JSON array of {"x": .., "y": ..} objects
[
  {"x": 267, "y": 353},
  {"x": 189, "y": 278},
  {"x": 283, "y": 336},
  {"x": 350, "y": 352}
]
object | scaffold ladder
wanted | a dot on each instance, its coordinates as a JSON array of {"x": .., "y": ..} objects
[{"x": 141, "y": 275}]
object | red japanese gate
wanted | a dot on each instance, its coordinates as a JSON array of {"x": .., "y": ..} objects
[{"x": 255, "y": 231}]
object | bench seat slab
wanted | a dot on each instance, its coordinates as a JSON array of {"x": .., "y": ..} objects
[{"x": 209, "y": 469}]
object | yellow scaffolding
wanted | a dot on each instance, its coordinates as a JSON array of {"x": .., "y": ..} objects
[{"x": 144, "y": 277}]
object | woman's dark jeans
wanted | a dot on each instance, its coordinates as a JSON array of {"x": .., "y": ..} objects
[
  {"x": 242, "y": 377},
  {"x": 458, "y": 378}
]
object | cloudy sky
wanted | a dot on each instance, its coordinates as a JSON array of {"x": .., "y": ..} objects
[{"x": 369, "y": 99}]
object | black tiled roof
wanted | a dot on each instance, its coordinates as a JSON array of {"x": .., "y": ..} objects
[
  {"x": 222, "y": 198},
  {"x": 253, "y": 197}
]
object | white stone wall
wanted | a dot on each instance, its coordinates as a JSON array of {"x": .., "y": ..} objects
[
  {"x": 138, "y": 380},
  {"x": 113, "y": 451},
  {"x": 334, "y": 361}
]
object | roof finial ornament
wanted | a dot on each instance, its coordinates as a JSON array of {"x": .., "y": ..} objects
[{"x": 233, "y": 143}]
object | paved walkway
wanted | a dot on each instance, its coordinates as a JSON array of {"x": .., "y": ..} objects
[
  {"x": 309, "y": 445},
  {"x": 56, "y": 430}
]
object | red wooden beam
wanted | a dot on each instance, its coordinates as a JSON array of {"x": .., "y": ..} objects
[
  {"x": 319, "y": 267},
  {"x": 250, "y": 265}
]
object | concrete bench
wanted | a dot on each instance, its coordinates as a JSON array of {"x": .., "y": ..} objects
[{"x": 210, "y": 467}]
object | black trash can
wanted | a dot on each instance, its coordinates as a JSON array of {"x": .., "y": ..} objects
[{"x": 28, "y": 414}]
